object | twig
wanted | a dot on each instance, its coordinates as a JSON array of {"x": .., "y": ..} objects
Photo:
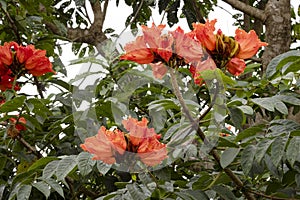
[
  {"x": 29, "y": 147},
  {"x": 38, "y": 86}
]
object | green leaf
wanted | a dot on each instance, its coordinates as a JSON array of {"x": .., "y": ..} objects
[
  {"x": 280, "y": 106},
  {"x": 266, "y": 103},
  {"x": 85, "y": 163},
  {"x": 289, "y": 99},
  {"x": 224, "y": 192},
  {"x": 203, "y": 182},
  {"x": 249, "y": 132},
  {"x": 192, "y": 195},
  {"x": 293, "y": 149},
  {"x": 228, "y": 156},
  {"x": 41, "y": 163},
  {"x": 273, "y": 66},
  {"x": 262, "y": 148},
  {"x": 64, "y": 167},
  {"x": 102, "y": 167},
  {"x": 50, "y": 169},
  {"x": 24, "y": 192},
  {"x": 294, "y": 67},
  {"x": 246, "y": 109},
  {"x": 13, "y": 104},
  {"x": 247, "y": 158},
  {"x": 53, "y": 184},
  {"x": 237, "y": 117},
  {"x": 277, "y": 149},
  {"x": 42, "y": 187},
  {"x": 135, "y": 192}
]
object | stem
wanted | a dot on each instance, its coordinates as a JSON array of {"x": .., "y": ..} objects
[
  {"x": 29, "y": 147},
  {"x": 38, "y": 86},
  {"x": 213, "y": 152}
]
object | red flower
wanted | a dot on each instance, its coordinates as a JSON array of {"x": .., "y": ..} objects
[
  {"x": 249, "y": 43},
  {"x": 23, "y": 53},
  {"x": 6, "y": 54},
  {"x": 236, "y": 66},
  {"x": 137, "y": 51},
  {"x": 38, "y": 64},
  {"x": 164, "y": 47},
  {"x": 3, "y": 69},
  {"x": 159, "y": 70},
  {"x": 186, "y": 47},
  {"x": 6, "y": 82},
  {"x": 20, "y": 124},
  {"x": 105, "y": 145},
  {"x": 205, "y": 34}
]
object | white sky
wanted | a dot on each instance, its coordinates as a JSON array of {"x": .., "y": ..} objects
[{"x": 116, "y": 17}]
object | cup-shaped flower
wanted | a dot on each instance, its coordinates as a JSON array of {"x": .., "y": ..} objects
[
  {"x": 236, "y": 66},
  {"x": 105, "y": 145},
  {"x": 38, "y": 64},
  {"x": 137, "y": 51},
  {"x": 205, "y": 34},
  {"x": 152, "y": 35},
  {"x": 19, "y": 124},
  {"x": 200, "y": 66},
  {"x": 6, "y": 53},
  {"x": 249, "y": 43},
  {"x": 152, "y": 152},
  {"x": 187, "y": 47},
  {"x": 159, "y": 69},
  {"x": 24, "y": 52},
  {"x": 6, "y": 82}
]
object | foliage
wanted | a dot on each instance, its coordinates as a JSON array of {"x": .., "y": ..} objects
[{"x": 45, "y": 161}]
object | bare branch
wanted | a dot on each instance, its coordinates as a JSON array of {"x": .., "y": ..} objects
[{"x": 247, "y": 9}]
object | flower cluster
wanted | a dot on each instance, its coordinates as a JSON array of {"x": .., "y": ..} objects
[
  {"x": 201, "y": 49},
  {"x": 108, "y": 145},
  {"x": 16, "y": 60}
]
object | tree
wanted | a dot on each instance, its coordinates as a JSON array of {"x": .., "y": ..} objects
[{"x": 232, "y": 132}]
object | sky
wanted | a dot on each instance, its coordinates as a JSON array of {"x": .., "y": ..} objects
[{"x": 116, "y": 17}]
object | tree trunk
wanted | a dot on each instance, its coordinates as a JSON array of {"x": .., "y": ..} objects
[{"x": 278, "y": 29}]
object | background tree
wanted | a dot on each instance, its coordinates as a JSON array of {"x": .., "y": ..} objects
[{"x": 44, "y": 159}]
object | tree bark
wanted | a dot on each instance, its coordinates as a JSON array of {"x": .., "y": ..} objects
[
  {"x": 278, "y": 29},
  {"x": 276, "y": 17}
]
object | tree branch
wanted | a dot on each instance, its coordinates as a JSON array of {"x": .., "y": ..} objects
[{"x": 247, "y": 9}]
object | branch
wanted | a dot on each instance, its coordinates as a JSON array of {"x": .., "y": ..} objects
[
  {"x": 247, "y": 9},
  {"x": 200, "y": 133}
]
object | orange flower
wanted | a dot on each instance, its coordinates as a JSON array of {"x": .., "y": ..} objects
[
  {"x": 3, "y": 69},
  {"x": 149, "y": 149},
  {"x": 152, "y": 35},
  {"x": 164, "y": 49},
  {"x": 236, "y": 66},
  {"x": 159, "y": 70},
  {"x": 186, "y": 47},
  {"x": 105, "y": 145},
  {"x": 249, "y": 43},
  {"x": 137, "y": 51},
  {"x": 6, "y": 54},
  {"x": 23, "y": 53},
  {"x": 20, "y": 124},
  {"x": 200, "y": 66},
  {"x": 205, "y": 34},
  {"x": 152, "y": 152},
  {"x": 38, "y": 64}
]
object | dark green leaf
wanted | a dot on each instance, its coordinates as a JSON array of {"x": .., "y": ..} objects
[
  {"x": 53, "y": 184},
  {"x": 252, "y": 131},
  {"x": 228, "y": 156},
  {"x": 247, "y": 158},
  {"x": 65, "y": 166},
  {"x": 262, "y": 148},
  {"x": 237, "y": 117},
  {"x": 266, "y": 103},
  {"x": 41, "y": 163},
  {"x": 42, "y": 187},
  {"x": 277, "y": 150},
  {"x": 224, "y": 192},
  {"x": 24, "y": 192},
  {"x": 293, "y": 149},
  {"x": 85, "y": 163},
  {"x": 13, "y": 104}
]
